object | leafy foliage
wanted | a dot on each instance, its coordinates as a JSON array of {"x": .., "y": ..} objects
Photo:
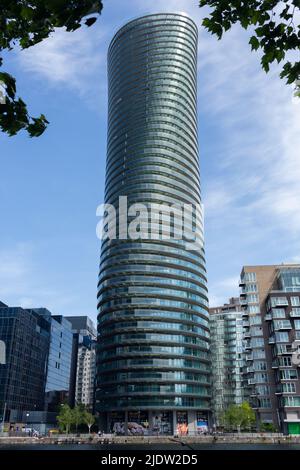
[
  {"x": 274, "y": 29},
  {"x": 78, "y": 415},
  {"x": 25, "y": 23},
  {"x": 69, "y": 417},
  {"x": 65, "y": 418},
  {"x": 267, "y": 427},
  {"x": 239, "y": 417},
  {"x": 88, "y": 419}
]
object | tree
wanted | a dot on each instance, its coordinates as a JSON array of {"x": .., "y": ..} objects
[
  {"x": 267, "y": 427},
  {"x": 24, "y": 23},
  {"x": 239, "y": 417},
  {"x": 65, "y": 418},
  {"x": 88, "y": 419},
  {"x": 78, "y": 416},
  {"x": 274, "y": 29}
]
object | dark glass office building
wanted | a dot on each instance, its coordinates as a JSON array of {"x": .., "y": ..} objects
[
  {"x": 26, "y": 336},
  {"x": 153, "y": 361}
]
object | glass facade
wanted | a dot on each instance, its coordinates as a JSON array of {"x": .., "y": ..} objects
[
  {"x": 283, "y": 328},
  {"x": 83, "y": 368},
  {"x": 152, "y": 297},
  {"x": 59, "y": 363},
  {"x": 22, "y": 377},
  {"x": 226, "y": 325}
]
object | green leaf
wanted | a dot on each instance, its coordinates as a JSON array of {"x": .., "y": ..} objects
[
  {"x": 10, "y": 83},
  {"x": 90, "y": 21},
  {"x": 254, "y": 42},
  {"x": 24, "y": 23}
]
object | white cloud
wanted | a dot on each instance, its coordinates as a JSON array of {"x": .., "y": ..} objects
[
  {"x": 24, "y": 281},
  {"x": 258, "y": 159},
  {"x": 221, "y": 290},
  {"x": 69, "y": 59}
]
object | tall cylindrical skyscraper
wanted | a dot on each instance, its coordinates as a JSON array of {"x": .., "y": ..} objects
[{"x": 153, "y": 360}]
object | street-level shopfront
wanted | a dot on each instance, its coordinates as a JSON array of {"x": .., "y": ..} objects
[{"x": 158, "y": 422}]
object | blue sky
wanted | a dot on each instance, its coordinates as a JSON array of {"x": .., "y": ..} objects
[{"x": 50, "y": 186}]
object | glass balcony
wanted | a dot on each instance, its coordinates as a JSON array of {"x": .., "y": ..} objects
[
  {"x": 295, "y": 312},
  {"x": 284, "y": 325},
  {"x": 279, "y": 301},
  {"x": 268, "y": 317}
]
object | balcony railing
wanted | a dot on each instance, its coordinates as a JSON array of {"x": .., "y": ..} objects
[{"x": 295, "y": 312}]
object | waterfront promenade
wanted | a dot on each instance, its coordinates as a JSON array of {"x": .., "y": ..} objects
[{"x": 149, "y": 441}]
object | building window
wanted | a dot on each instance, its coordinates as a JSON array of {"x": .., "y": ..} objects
[
  {"x": 278, "y": 313},
  {"x": 251, "y": 288},
  {"x": 295, "y": 312},
  {"x": 255, "y": 320},
  {"x": 289, "y": 387},
  {"x": 295, "y": 301},
  {"x": 282, "y": 324},
  {"x": 282, "y": 349},
  {"x": 261, "y": 377},
  {"x": 257, "y": 342},
  {"x": 291, "y": 401},
  {"x": 282, "y": 337},
  {"x": 297, "y": 324},
  {"x": 259, "y": 354},
  {"x": 285, "y": 361},
  {"x": 263, "y": 390},
  {"x": 289, "y": 374},
  {"x": 253, "y": 309},
  {"x": 278, "y": 301},
  {"x": 265, "y": 403}
]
